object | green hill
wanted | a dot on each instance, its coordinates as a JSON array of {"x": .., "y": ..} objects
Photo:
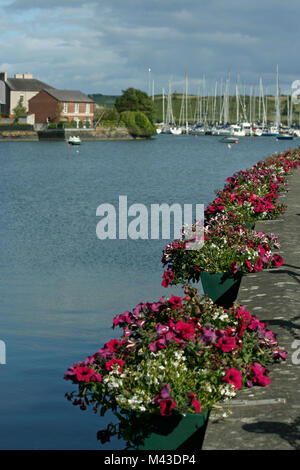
[{"x": 108, "y": 101}]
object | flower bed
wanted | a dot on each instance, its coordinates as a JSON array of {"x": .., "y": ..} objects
[
  {"x": 229, "y": 246},
  {"x": 252, "y": 195},
  {"x": 176, "y": 356}
]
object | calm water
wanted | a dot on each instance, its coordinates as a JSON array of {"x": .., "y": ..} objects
[{"x": 60, "y": 286}]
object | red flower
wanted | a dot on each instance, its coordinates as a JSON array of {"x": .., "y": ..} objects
[
  {"x": 194, "y": 402},
  {"x": 258, "y": 376},
  {"x": 233, "y": 376},
  {"x": 83, "y": 374},
  {"x": 278, "y": 260},
  {"x": 258, "y": 265},
  {"x": 166, "y": 406},
  {"x": 187, "y": 330},
  {"x": 109, "y": 365},
  {"x": 249, "y": 265},
  {"x": 226, "y": 343},
  {"x": 167, "y": 278},
  {"x": 175, "y": 302}
]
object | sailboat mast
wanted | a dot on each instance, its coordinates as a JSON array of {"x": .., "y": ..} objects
[
  {"x": 277, "y": 120},
  {"x": 163, "y": 105},
  {"x": 237, "y": 101},
  {"x": 186, "y": 105}
]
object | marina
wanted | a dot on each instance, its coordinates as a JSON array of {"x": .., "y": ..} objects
[{"x": 222, "y": 113}]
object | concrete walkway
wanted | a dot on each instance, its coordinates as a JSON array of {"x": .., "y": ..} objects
[{"x": 268, "y": 418}]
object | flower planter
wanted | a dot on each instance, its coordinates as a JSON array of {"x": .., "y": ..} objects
[
  {"x": 222, "y": 288},
  {"x": 172, "y": 432}
]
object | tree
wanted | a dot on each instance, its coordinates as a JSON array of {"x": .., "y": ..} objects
[
  {"x": 135, "y": 100},
  {"x": 138, "y": 124},
  {"x": 57, "y": 113},
  {"x": 19, "y": 110}
]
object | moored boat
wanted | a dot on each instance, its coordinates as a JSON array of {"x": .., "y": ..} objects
[
  {"x": 284, "y": 137},
  {"x": 230, "y": 140},
  {"x": 74, "y": 140}
]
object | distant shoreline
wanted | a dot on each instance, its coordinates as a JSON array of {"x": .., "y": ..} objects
[{"x": 54, "y": 135}]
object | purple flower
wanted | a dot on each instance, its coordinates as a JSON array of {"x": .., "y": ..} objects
[
  {"x": 164, "y": 394},
  {"x": 234, "y": 267},
  {"x": 158, "y": 344},
  {"x": 161, "y": 329},
  {"x": 208, "y": 335}
]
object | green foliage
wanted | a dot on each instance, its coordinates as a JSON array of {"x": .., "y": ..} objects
[
  {"x": 73, "y": 124},
  {"x": 19, "y": 110},
  {"x": 135, "y": 100},
  {"x": 137, "y": 124},
  {"x": 58, "y": 111}
]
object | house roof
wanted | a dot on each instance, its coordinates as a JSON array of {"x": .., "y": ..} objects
[
  {"x": 69, "y": 95},
  {"x": 26, "y": 84}
]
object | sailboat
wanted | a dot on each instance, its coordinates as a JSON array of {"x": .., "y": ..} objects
[
  {"x": 273, "y": 131},
  {"x": 183, "y": 117},
  {"x": 169, "y": 127}
]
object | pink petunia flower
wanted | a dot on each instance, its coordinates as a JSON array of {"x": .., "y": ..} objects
[{"x": 234, "y": 377}]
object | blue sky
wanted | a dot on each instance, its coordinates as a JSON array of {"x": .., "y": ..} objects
[{"x": 106, "y": 46}]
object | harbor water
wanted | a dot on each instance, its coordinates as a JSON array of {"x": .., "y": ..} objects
[{"x": 61, "y": 286}]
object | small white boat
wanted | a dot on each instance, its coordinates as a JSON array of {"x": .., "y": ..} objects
[
  {"x": 284, "y": 136},
  {"x": 257, "y": 131},
  {"x": 246, "y": 128},
  {"x": 237, "y": 131},
  {"x": 176, "y": 130},
  {"x": 230, "y": 140},
  {"x": 296, "y": 132},
  {"x": 74, "y": 140}
]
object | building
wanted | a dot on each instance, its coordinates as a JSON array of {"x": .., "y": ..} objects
[
  {"x": 19, "y": 89},
  {"x": 52, "y": 105}
]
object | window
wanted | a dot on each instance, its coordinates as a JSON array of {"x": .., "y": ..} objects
[
  {"x": 65, "y": 107},
  {"x": 87, "y": 108},
  {"x": 76, "y": 108},
  {"x": 21, "y": 99}
]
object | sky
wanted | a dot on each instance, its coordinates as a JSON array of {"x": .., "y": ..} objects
[{"x": 107, "y": 46}]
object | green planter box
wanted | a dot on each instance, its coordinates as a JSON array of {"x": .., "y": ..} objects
[
  {"x": 222, "y": 288},
  {"x": 172, "y": 432}
]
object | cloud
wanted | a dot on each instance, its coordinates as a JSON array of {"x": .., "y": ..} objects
[{"x": 106, "y": 46}]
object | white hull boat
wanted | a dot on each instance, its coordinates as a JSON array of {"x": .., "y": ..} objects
[
  {"x": 176, "y": 130},
  {"x": 74, "y": 140}
]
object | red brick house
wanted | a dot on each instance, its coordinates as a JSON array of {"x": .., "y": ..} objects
[{"x": 51, "y": 105}]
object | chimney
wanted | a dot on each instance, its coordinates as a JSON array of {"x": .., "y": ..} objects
[
  {"x": 18, "y": 75},
  {"x": 3, "y": 76},
  {"x": 27, "y": 75}
]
